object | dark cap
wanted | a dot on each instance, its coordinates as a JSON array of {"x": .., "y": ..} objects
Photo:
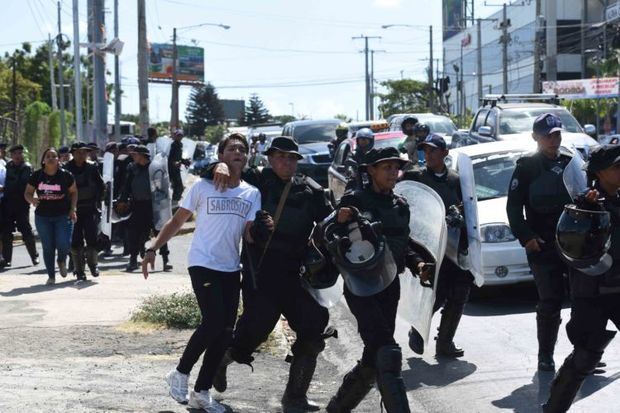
[
  {"x": 602, "y": 158},
  {"x": 283, "y": 144},
  {"x": 374, "y": 156},
  {"x": 433, "y": 140},
  {"x": 93, "y": 146},
  {"x": 110, "y": 146},
  {"x": 141, "y": 149},
  {"x": 546, "y": 124},
  {"x": 79, "y": 145},
  {"x": 17, "y": 147},
  {"x": 63, "y": 149}
]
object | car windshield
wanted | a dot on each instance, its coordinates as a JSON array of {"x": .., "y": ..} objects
[
  {"x": 387, "y": 143},
  {"x": 318, "y": 132},
  {"x": 440, "y": 125},
  {"x": 521, "y": 120},
  {"x": 492, "y": 173}
]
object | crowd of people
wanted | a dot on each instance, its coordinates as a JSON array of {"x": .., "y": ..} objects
[{"x": 273, "y": 237}]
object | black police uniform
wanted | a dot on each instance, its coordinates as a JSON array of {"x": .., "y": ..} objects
[
  {"x": 90, "y": 188},
  {"x": 121, "y": 164},
  {"x": 376, "y": 314},
  {"x": 174, "y": 170},
  {"x": 453, "y": 284},
  {"x": 16, "y": 211},
  {"x": 137, "y": 191},
  {"x": 274, "y": 288},
  {"x": 537, "y": 185}
]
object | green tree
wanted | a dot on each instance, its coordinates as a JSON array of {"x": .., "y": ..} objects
[
  {"x": 204, "y": 109},
  {"x": 255, "y": 111},
  {"x": 36, "y": 114},
  {"x": 343, "y": 117},
  {"x": 404, "y": 96},
  {"x": 284, "y": 118}
]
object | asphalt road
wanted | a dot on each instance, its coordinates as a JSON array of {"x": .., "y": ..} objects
[{"x": 498, "y": 372}]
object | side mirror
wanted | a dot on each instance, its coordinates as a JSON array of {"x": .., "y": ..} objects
[
  {"x": 485, "y": 131},
  {"x": 590, "y": 130}
]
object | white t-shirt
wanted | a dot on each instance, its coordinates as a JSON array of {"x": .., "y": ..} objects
[{"x": 220, "y": 221}]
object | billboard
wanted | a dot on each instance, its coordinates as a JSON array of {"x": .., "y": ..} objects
[
  {"x": 605, "y": 87},
  {"x": 452, "y": 17},
  {"x": 233, "y": 109},
  {"x": 190, "y": 64}
]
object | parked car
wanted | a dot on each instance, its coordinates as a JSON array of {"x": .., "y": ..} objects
[
  {"x": 337, "y": 172},
  {"x": 271, "y": 130},
  {"x": 377, "y": 126},
  {"x": 439, "y": 124},
  {"x": 510, "y": 117},
  {"x": 313, "y": 137}
]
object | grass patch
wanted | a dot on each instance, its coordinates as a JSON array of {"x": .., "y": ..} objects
[{"x": 177, "y": 310}]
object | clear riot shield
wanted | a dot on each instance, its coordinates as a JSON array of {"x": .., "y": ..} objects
[
  {"x": 152, "y": 147},
  {"x": 427, "y": 228},
  {"x": 473, "y": 260},
  {"x": 163, "y": 145},
  {"x": 326, "y": 297},
  {"x": 189, "y": 147},
  {"x": 108, "y": 180},
  {"x": 574, "y": 176},
  {"x": 160, "y": 191}
]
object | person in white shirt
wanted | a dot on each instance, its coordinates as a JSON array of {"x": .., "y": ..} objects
[{"x": 222, "y": 218}]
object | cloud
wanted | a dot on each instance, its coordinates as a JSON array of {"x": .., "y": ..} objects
[{"x": 387, "y": 3}]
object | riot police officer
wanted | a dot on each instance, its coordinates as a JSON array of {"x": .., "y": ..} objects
[
  {"x": 271, "y": 285},
  {"x": 454, "y": 284},
  {"x": 537, "y": 186},
  {"x": 15, "y": 208},
  {"x": 595, "y": 294},
  {"x": 175, "y": 159},
  {"x": 342, "y": 133},
  {"x": 90, "y": 188},
  {"x": 364, "y": 141},
  {"x": 136, "y": 196},
  {"x": 375, "y": 309}
]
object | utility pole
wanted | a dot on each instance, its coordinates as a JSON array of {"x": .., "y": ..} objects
[
  {"x": 582, "y": 40},
  {"x": 99, "y": 93},
  {"x": 431, "y": 94},
  {"x": 61, "y": 81},
  {"x": 537, "y": 37},
  {"x": 552, "y": 44},
  {"x": 50, "y": 58},
  {"x": 372, "y": 82},
  {"x": 504, "y": 40},
  {"x": 367, "y": 77},
  {"x": 77, "y": 74},
  {"x": 143, "y": 86},
  {"x": 174, "y": 105},
  {"x": 117, "y": 82},
  {"x": 479, "y": 57}
]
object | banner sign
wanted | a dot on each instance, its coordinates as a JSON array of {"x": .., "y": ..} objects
[
  {"x": 605, "y": 87},
  {"x": 190, "y": 64},
  {"x": 612, "y": 12}
]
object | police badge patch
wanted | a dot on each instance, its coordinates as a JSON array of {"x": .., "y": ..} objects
[{"x": 514, "y": 184}]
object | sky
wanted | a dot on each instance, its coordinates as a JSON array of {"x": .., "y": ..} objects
[{"x": 298, "y": 56}]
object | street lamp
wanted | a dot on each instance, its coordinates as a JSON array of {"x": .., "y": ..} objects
[{"x": 174, "y": 104}]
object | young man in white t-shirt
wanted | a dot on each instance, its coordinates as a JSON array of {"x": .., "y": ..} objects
[{"x": 222, "y": 218}]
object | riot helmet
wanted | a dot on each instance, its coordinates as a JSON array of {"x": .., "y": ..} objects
[
  {"x": 366, "y": 134},
  {"x": 262, "y": 137},
  {"x": 583, "y": 237},
  {"x": 408, "y": 124},
  {"x": 421, "y": 130},
  {"x": 361, "y": 253},
  {"x": 342, "y": 131}
]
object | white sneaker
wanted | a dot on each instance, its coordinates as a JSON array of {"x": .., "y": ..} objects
[
  {"x": 204, "y": 401},
  {"x": 178, "y": 385}
]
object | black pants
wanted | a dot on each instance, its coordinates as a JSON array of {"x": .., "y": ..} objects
[
  {"x": 453, "y": 286},
  {"x": 589, "y": 317},
  {"x": 376, "y": 319},
  {"x": 85, "y": 228},
  {"x": 14, "y": 216},
  {"x": 177, "y": 185},
  {"x": 139, "y": 228},
  {"x": 548, "y": 270},
  {"x": 279, "y": 292},
  {"x": 217, "y": 294}
]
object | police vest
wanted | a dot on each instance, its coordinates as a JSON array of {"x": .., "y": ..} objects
[
  {"x": 140, "y": 183},
  {"x": 547, "y": 193},
  {"x": 84, "y": 181},
  {"x": 15, "y": 182},
  {"x": 393, "y": 213},
  {"x": 447, "y": 186}
]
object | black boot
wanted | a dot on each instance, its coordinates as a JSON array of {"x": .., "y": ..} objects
[
  {"x": 355, "y": 386},
  {"x": 7, "y": 249},
  {"x": 547, "y": 329},
  {"x": 390, "y": 381},
  {"x": 219, "y": 381},
  {"x": 133, "y": 263},
  {"x": 577, "y": 366},
  {"x": 299, "y": 378},
  {"x": 92, "y": 257},
  {"x": 416, "y": 342},
  {"x": 167, "y": 267},
  {"x": 77, "y": 255},
  {"x": 31, "y": 247},
  {"x": 450, "y": 318}
]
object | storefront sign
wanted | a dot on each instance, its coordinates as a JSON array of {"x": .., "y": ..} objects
[{"x": 605, "y": 87}]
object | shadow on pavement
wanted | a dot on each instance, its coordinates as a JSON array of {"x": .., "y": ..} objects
[
  {"x": 594, "y": 383},
  {"x": 39, "y": 288},
  {"x": 5, "y": 269},
  {"x": 445, "y": 372},
  {"x": 530, "y": 397}
]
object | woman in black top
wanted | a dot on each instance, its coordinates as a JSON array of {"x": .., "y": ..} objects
[{"x": 54, "y": 213}]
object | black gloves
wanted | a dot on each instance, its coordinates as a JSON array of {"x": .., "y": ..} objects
[
  {"x": 259, "y": 231},
  {"x": 454, "y": 218}
]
